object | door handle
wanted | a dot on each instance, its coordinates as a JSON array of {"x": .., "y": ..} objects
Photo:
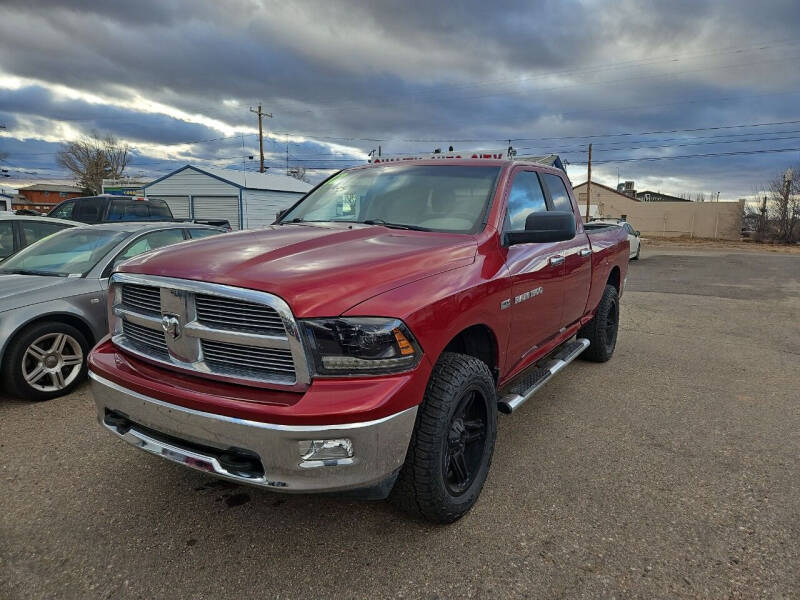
[
  {"x": 556, "y": 260},
  {"x": 585, "y": 252}
]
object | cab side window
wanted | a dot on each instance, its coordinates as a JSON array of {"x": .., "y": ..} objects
[
  {"x": 88, "y": 210},
  {"x": 64, "y": 210},
  {"x": 526, "y": 197},
  {"x": 558, "y": 192}
]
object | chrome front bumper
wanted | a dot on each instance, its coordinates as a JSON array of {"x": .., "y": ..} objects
[{"x": 197, "y": 439}]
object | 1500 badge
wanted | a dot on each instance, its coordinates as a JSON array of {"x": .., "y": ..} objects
[{"x": 522, "y": 297}]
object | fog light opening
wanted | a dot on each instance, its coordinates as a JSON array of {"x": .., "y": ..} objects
[{"x": 323, "y": 453}]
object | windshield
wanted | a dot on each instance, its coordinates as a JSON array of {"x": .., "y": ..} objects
[
  {"x": 70, "y": 252},
  {"x": 444, "y": 198}
]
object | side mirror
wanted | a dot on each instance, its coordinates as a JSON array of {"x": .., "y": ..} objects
[
  {"x": 551, "y": 226},
  {"x": 279, "y": 215},
  {"x": 637, "y": 233}
]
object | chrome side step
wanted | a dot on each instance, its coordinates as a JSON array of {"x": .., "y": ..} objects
[{"x": 535, "y": 380}]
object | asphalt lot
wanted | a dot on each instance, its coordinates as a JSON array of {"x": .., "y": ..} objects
[{"x": 671, "y": 471}]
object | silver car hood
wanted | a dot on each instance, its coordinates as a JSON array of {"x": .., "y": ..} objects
[{"x": 17, "y": 291}]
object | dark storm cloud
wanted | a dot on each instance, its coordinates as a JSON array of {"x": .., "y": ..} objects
[
  {"x": 37, "y": 101},
  {"x": 413, "y": 70}
]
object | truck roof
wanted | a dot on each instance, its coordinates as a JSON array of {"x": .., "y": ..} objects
[
  {"x": 477, "y": 162},
  {"x": 504, "y": 157}
]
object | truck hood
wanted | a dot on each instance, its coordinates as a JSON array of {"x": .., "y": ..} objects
[
  {"x": 23, "y": 290},
  {"x": 319, "y": 269}
]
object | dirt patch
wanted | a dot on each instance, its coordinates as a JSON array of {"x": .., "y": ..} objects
[{"x": 704, "y": 243}]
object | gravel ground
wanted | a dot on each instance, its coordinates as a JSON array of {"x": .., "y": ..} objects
[{"x": 671, "y": 471}]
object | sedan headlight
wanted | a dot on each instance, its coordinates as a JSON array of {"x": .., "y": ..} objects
[{"x": 357, "y": 345}]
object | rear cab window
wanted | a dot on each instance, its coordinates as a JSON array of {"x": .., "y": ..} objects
[
  {"x": 558, "y": 192},
  {"x": 159, "y": 210},
  {"x": 127, "y": 209}
]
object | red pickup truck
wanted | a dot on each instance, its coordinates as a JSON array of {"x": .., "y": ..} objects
[{"x": 366, "y": 341}]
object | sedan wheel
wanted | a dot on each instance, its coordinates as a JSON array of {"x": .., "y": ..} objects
[
  {"x": 52, "y": 362},
  {"x": 45, "y": 360}
]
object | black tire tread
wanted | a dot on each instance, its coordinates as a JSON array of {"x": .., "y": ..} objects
[
  {"x": 594, "y": 329},
  {"x": 415, "y": 491}
]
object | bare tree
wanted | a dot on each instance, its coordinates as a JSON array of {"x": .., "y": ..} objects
[
  {"x": 299, "y": 173},
  {"x": 92, "y": 159},
  {"x": 784, "y": 197}
]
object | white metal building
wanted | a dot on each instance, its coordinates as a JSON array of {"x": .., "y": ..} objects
[{"x": 246, "y": 199}]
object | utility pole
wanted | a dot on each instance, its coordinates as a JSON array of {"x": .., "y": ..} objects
[
  {"x": 589, "y": 184},
  {"x": 261, "y": 134}
]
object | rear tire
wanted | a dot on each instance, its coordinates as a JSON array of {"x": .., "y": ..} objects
[
  {"x": 451, "y": 447},
  {"x": 601, "y": 331},
  {"x": 45, "y": 361}
]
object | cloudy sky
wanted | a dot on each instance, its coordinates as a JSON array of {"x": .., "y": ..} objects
[{"x": 709, "y": 89}]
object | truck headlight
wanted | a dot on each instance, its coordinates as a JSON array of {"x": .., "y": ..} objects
[{"x": 357, "y": 345}]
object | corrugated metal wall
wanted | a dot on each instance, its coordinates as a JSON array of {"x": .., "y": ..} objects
[
  {"x": 260, "y": 206},
  {"x": 179, "y": 205},
  {"x": 217, "y": 207}
]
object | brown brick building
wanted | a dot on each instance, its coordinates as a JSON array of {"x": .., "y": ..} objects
[{"x": 41, "y": 197}]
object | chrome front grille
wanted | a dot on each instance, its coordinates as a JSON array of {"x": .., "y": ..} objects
[
  {"x": 226, "y": 313},
  {"x": 142, "y": 297},
  {"x": 210, "y": 330},
  {"x": 146, "y": 338},
  {"x": 236, "y": 358}
]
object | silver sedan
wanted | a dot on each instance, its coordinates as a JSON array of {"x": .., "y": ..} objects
[{"x": 52, "y": 300}]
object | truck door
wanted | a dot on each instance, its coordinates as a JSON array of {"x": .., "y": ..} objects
[
  {"x": 577, "y": 254},
  {"x": 535, "y": 301}
]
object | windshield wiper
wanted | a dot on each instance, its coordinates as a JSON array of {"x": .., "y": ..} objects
[
  {"x": 394, "y": 225},
  {"x": 29, "y": 272}
]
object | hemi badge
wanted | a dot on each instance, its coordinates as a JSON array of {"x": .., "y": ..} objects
[{"x": 505, "y": 304}]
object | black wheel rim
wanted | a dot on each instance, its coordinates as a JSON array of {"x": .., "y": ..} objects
[
  {"x": 611, "y": 326},
  {"x": 465, "y": 443}
]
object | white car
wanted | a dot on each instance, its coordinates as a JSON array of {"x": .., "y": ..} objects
[{"x": 633, "y": 235}]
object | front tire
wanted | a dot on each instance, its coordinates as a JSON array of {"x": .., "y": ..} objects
[
  {"x": 451, "y": 447},
  {"x": 601, "y": 331},
  {"x": 638, "y": 252},
  {"x": 45, "y": 361}
]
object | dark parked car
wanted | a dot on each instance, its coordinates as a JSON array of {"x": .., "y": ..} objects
[
  {"x": 108, "y": 208},
  {"x": 18, "y": 231}
]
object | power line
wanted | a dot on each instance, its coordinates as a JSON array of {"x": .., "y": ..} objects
[
  {"x": 705, "y": 155},
  {"x": 706, "y": 143}
]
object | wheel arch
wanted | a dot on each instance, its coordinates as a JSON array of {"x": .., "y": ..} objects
[
  {"x": 59, "y": 317},
  {"x": 614, "y": 278},
  {"x": 479, "y": 341}
]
